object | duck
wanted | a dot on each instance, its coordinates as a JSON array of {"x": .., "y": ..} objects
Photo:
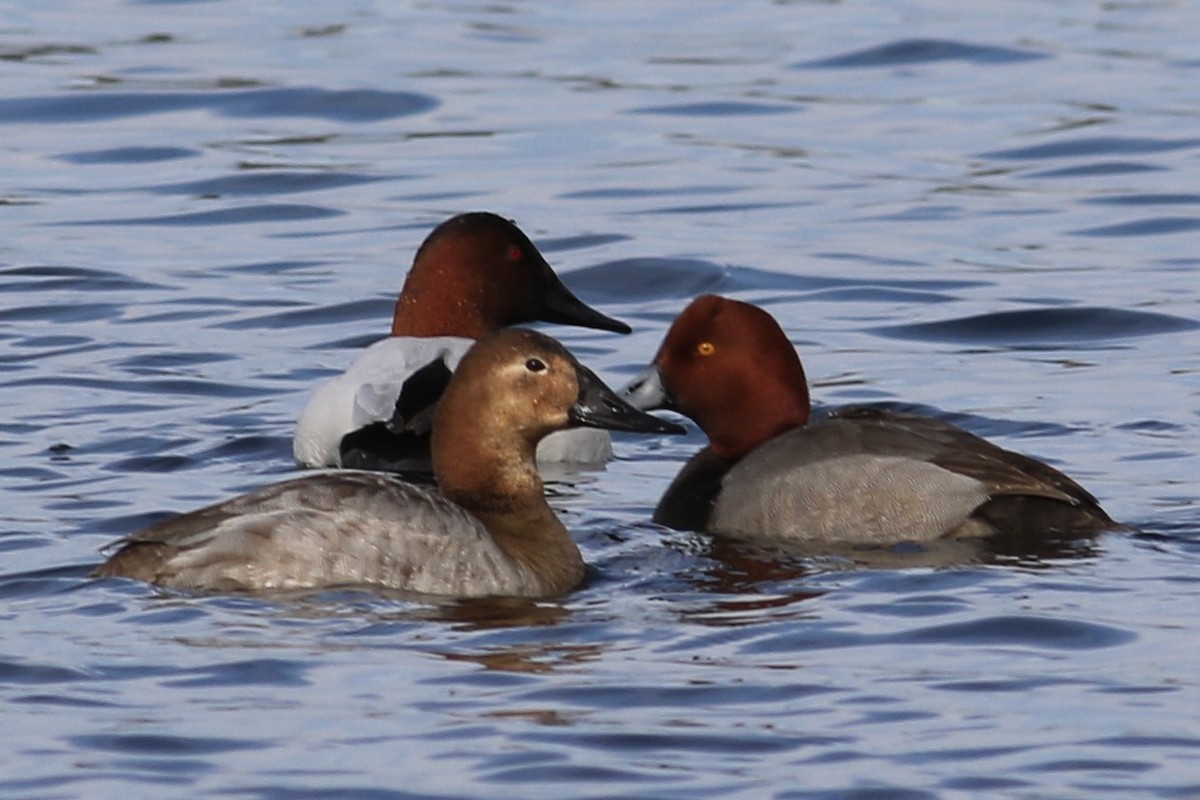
[
  {"x": 474, "y": 274},
  {"x": 486, "y": 531},
  {"x": 858, "y": 476}
]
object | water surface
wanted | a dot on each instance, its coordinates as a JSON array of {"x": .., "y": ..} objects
[{"x": 985, "y": 214}]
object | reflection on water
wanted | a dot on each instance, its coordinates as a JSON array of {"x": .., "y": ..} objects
[
  {"x": 986, "y": 216},
  {"x": 530, "y": 659}
]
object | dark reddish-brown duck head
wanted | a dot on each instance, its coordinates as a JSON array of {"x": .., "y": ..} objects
[
  {"x": 729, "y": 367},
  {"x": 477, "y": 273}
]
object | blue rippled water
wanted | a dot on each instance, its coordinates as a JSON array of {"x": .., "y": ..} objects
[{"x": 983, "y": 213}]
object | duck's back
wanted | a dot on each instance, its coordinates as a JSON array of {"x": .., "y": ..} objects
[
  {"x": 874, "y": 476},
  {"x": 325, "y": 530},
  {"x": 366, "y": 393}
]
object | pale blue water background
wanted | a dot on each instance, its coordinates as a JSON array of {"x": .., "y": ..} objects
[{"x": 988, "y": 210}]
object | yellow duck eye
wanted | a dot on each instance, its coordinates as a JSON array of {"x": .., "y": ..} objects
[{"x": 706, "y": 348}]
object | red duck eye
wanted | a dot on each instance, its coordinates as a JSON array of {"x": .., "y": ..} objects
[{"x": 514, "y": 253}]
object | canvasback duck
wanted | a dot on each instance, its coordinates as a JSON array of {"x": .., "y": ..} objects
[
  {"x": 474, "y": 274},
  {"x": 487, "y": 531},
  {"x": 858, "y": 476}
]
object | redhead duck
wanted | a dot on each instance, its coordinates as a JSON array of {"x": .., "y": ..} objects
[
  {"x": 858, "y": 476},
  {"x": 487, "y": 531},
  {"x": 474, "y": 274}
]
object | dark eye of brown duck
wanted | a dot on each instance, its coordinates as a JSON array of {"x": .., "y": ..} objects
[{"x": 535, "y": 365}]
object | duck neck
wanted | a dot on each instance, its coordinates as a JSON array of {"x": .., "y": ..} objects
[
  {"x": 427, "y": 314},
  {"x": 742, "y": 413},
  {"x": 533, "y": 536},
  {"x": 733, "y": 438},
  {"x": 506, "y": 495}
]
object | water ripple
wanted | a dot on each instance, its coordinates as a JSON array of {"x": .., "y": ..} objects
[
  {"x": 1148, "y": 199},
  {"x": 1155, "y": 226},
  {"x": 164, "y": 386},
  {"x": 254, "y": 672},
  {"x": 23, "y": 672},
  {"x": 728, "y": 108},
  {"x": 129, "y": 155},
  {"x": 924, "y": 51},
  {"x": 1040, "y": 633},
  {"x": 266, "y": 212},
  {"x": 1043, "y": 327},
  {"x": 358, "y": 105},
  {"x": 1100, "y": 168},
  {"x": 1093, "y": 146},
  {"x": 154, "y": 354},
  {"x": 76, "y": 279},
  {"x": 661, "y": 278},
  {"x": 164, "y": 745},
  {"x": 266, "y": 182},
  {"x": 331, "y": 314}
]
